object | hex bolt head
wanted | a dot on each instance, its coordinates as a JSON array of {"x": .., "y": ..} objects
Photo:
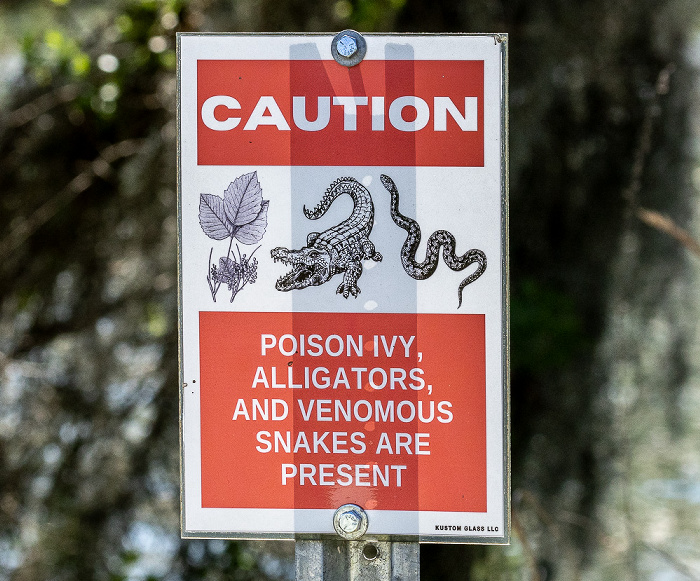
[
  {"x": 350, "y": 522},
  {"x": 347, "y": 46}
]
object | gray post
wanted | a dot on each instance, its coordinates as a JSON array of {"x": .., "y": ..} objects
[{"x": 363, "y": 560}]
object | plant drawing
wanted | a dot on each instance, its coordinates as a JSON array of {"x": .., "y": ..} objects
[{"x": 240, "y": 214}]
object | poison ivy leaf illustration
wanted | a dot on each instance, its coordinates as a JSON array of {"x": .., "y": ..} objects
[
  {"x": 212, "y": 217},
  {"x": 243, "y": 199},
  {"x": 229, "y": 272},
  {"x": 253, "y": 231},
  {"x": 240, "y": 214}
]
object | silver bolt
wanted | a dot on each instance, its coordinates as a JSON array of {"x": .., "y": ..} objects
[
  {"x": 347, "y": 46},
  {"x": 350, "y": 522}
]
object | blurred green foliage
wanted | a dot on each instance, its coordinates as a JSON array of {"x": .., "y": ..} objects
[
  {"x": 89, "y": 461},
  {"x": 547, "y": 330}
]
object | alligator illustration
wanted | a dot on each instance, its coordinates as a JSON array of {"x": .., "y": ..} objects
[
  {"x": 425, "y": 269},
  {"x": 339, "y": 249}
]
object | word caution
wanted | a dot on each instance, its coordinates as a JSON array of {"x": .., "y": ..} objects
[{"x": 405, "y": 113}]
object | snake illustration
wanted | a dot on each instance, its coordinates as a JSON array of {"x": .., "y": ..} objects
[{"x": 425, "y": 269}]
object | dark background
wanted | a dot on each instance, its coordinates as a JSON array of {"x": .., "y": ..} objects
[{"x": 604, "y": 182}]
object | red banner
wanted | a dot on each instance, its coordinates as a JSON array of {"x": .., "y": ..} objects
[
  {"x": 313, "y": 410},
  {"x": 318, "y": 113}
]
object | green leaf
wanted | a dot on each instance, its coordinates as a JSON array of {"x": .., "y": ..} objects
[
  {"x": 54, "y": 40},
  {"x": 80, "y": 64}
]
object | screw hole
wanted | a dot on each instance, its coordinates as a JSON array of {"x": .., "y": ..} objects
[{"x": 370, "y": 552}]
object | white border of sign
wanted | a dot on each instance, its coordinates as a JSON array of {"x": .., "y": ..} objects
[{"x": 198, "y": 522}]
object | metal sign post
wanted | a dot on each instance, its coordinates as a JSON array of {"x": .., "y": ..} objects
[
  {"x": 338, "y": 560},
  {"x": 354, "y": 559},
  {"x": 343, "y": 294}
]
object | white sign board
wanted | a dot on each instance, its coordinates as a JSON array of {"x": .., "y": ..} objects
[{"x": 343, "y": 286}]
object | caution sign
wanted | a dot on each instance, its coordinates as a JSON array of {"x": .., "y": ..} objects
[{"x": 343, "y": 286}]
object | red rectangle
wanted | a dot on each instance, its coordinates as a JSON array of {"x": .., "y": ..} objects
[
  {"x": 406, "y": 113},
  {"x": 313, "y": 410}
]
